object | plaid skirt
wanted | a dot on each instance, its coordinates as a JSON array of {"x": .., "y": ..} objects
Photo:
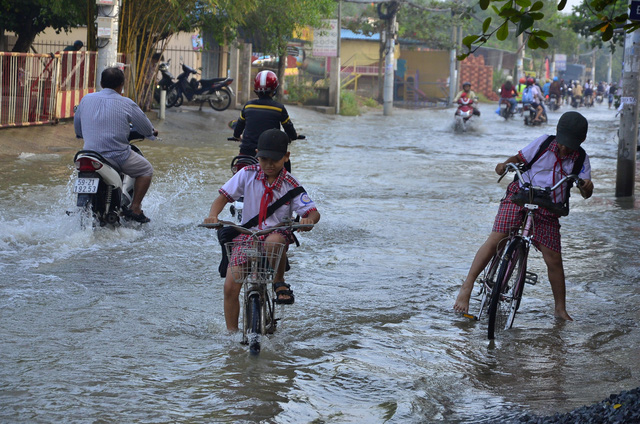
[
  {"x": 238, "y": 256},
  {"x": 546, "y": 226}
]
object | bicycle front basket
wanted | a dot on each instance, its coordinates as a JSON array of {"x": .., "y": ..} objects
[{"x": 254, "y": 261}]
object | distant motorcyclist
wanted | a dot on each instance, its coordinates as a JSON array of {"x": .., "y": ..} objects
[
  {"x": 533, "y": 95},
  {"x": 466, "y": 88},
  {"x": 509, "y": 93},
  {"x": 262, "y": 114}
]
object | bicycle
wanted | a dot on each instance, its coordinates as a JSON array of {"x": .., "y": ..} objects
[
  {"x": 261, "y": 259},
  {"x": 503, "y": 279}
]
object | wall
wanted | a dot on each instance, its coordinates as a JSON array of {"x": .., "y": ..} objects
[
  {"x": 431, "y": 68},
  {"x": 473, "y": 70}
]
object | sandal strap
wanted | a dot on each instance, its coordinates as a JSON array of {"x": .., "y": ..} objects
[{"x": 280, "y": 284}]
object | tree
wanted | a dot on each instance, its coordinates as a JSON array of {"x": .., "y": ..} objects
[
  {"x": 273, "y": 22},
  {"x": 28, "y": 18},
  {"x": 523, "y": 15}
]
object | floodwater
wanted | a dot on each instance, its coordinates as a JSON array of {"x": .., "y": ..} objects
[{"x": 126, "y": 325}]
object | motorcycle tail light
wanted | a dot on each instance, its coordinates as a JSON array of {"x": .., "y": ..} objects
[{"x": 87, "y": 165}]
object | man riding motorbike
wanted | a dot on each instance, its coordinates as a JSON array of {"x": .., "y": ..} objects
[
  {"x": 508, "y": 93},
  {"x": 104, "y": 120}
]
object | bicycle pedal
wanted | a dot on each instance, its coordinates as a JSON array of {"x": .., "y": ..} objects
[
  {"x": 473, "y": 317},
  {"x": 531, "y": 278}
]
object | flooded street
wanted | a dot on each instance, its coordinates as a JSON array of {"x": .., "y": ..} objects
[{"x": 126, "y": 325}]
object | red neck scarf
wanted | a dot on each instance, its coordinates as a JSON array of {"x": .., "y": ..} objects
[{"x": 267, "y": 198}]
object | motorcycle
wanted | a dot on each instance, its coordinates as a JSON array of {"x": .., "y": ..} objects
[
  {"x": 553, "y": 102},
  {"x": 216, "y": 91},
  {"x": 103, "y": 193},
  {"x": 165, "y": 82},
  {"x": 530, "y": 115},
  {"x": 463, "y": 113},
  {"x": 505, "y": 109},
  {"x": 599, "y": 98}
]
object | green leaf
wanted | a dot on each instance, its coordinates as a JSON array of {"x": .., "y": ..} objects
[
  {"x": 523, "y": 3},
  {"x": 508, "y": 12},
  {"x": 462, "y": 57},
  {"x": 544, "y": 34},
  {"x": 531, "y": 43},
  {"x": 486, "y": 24},
  {"x": 542, "y": 43},
  {"x": 503, "y": 32},
  {"x": 536, "y": 6},
  {"x": 484, "y": 4},
  {"x": 525, "y": 23},
  {"x": 608, "y": 33},
  {"x": 598, "y": 27},
  {"x": 537, "y": 15},
  {"x": 469, "y": 39},
  {"x": 495, "y": 10},
  {"x": 621, "y": 18},
  {"x": 562, "y": 4}
]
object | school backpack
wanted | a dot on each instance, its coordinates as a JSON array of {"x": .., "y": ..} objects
[{"x": 527, "y": 95}]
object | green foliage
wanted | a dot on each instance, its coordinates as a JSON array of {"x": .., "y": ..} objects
[
  {"x": 28, "y": 18},
  {"x": 299, "y": 92},
  {"x": 349, "y": 103},
  {"x": 370, "y": 102},
  {"x": 599, "y": 17},
  {"x": 593, "y": 20}
]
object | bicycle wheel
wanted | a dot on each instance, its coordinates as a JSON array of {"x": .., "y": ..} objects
[
  {"x": 507, "y": 292},
  {"x": 255, "y": 323},
  {"x": 222, "y": 99}
]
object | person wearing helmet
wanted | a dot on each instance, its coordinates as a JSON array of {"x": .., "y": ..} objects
[
  {"x": 522, "y": 83},
  {"x": 577, "y": 94},
  {"x": 549, "y": 159},
  {"x": 466, "y": 89},
  {"x": 555, "y": 91},
  {"x": 509, "y": 93},
  {"x": 261, "y": 114},
  {"x": 534, "y": 96}
]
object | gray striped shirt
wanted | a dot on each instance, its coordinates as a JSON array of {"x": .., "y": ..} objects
[{"x": 102, "y": 120}]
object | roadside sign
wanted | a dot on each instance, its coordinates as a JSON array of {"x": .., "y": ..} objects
[{"x": 634, "y": 10}]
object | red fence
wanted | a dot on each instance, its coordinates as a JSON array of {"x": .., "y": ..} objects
[{"x": 41, "y": 88}]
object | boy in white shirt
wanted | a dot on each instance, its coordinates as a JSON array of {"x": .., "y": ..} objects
[
  {"x": 554, "y": 163},
  {"x": 262, "y": 185}
]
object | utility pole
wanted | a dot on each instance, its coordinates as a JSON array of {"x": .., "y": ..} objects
[
  {"x": 390, "y": 59},
  {"x": 628, "y": 132},
  {"x": 107, "y": 23},
  {"x": 453, "y": 61}
]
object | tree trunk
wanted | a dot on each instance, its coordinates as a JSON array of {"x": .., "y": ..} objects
[{"x": 24, "y": 41}]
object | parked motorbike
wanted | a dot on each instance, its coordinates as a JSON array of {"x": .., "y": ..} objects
[
  {"x": 463, "y": 113},
  {"x": 103, "y": 193},
  {"x": 165, "y": 82},
  {"x": 216, "y": 91}
]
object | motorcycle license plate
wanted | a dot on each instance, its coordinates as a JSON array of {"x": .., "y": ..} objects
[{"x": 86, "y": 185}]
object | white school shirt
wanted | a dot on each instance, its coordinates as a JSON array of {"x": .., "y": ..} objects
[
  {"x": 549, "y": 169},
  {"x": 248, "y": 182}
]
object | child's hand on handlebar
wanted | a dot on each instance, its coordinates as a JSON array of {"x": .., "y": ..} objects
[
  {"x": 211, "y": 220},
  {"x": 306, "y": 221},
  {"x": 586, "y": 188},
  {"x": 501, "y": 168}
]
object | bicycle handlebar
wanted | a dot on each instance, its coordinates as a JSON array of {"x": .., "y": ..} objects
[
  {"x": 284, "y": 224},
  {"x": 512, "y": 167}
]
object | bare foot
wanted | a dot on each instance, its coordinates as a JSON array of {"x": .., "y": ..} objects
[
  {"x": 563, "y": 315},
  {"x": 462, "y": 301}
]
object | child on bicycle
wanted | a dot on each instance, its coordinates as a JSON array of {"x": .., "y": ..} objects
[
  {"x": 554, "y": 163},
  {"x": 262, "y": 185}
]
